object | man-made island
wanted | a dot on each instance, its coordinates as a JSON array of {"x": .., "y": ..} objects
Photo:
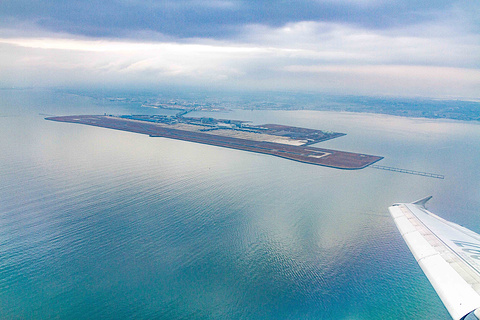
[{"x": 277, "y": 140}]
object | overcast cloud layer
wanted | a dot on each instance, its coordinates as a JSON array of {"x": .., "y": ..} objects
[{"x": 429, "y": 48}]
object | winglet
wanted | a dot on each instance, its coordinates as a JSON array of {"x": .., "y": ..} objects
[{"x": 422, "y": 202}]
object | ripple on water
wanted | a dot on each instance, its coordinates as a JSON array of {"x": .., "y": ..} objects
[{"x": 124, "y": 226}]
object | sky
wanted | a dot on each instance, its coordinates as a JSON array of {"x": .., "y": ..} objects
[{"x": 369, "y": 47}]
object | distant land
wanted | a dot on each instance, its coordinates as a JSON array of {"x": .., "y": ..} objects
[
  {"x": 191, "y": 99},
  {"x": 418, "y": 107},
  {"x": 278, "y": 140},
  {"x": 455, "y": 109}
]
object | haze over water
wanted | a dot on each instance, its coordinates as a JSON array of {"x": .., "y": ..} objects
[{"x": 98, "y": 223}]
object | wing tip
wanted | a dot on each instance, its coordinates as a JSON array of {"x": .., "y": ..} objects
[{"x": 422, "y": 201}]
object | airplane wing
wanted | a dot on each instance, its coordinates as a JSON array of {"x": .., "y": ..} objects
[{"x": 448, "y": 254}]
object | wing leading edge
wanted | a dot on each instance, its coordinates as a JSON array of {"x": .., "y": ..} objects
[{"x": 448, "y": 254}]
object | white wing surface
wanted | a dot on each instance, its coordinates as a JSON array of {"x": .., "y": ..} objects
[{"x": 448, "y": 254}]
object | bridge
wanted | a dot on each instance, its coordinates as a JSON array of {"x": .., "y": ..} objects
[{"x": 418, "y": 173}]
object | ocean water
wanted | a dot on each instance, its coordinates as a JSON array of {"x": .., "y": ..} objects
[{"x": 104, "y": 224}]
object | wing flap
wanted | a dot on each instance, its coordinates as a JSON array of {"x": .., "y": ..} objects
[{"x": 420, "y": 247}]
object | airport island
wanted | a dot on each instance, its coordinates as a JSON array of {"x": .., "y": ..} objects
[{"x": 287, "y": 142}]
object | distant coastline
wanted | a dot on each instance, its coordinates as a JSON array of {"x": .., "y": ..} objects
[
  {"x": 416, "y": 107},
  {"x": 189, "y": 100}
]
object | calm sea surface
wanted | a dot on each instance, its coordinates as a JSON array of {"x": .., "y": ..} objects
[{"x": 104, "y": 224}]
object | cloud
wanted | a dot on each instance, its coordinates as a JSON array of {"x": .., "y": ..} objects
[
  {"x": 335, "y": 43},
  {"x": 346, "y": 46},
  {"x": 296, "y": 56},
  {"x": 392, "y": 79},
  {"x": 59, "y": 61},
  {"x": 212, "y": 19}
]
